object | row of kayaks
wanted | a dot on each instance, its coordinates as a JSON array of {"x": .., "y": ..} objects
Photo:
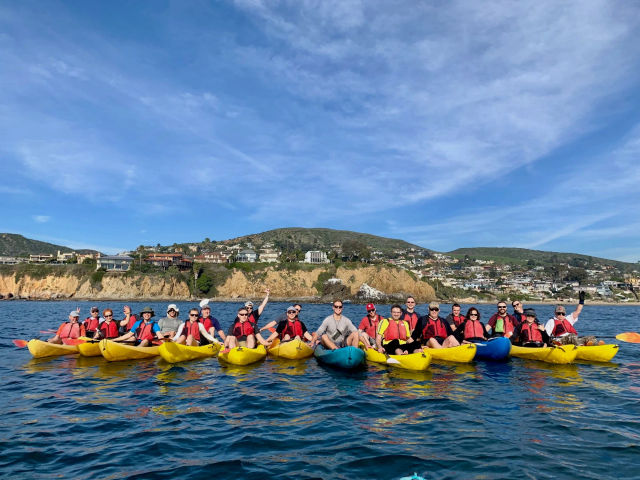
[{"x": 496, "y": 349}]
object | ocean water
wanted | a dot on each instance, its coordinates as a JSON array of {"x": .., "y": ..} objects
[{"x": 85, "y": 418}]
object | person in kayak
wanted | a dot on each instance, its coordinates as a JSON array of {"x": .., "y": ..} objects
[
  {"x": 518, "y": 312},
  {"x": 243, "y": 330},
  {"x": 144, "y": 331},
  {"x": 561, "y": 328},
  {"x": 410, "y": 314},
  {"x": 368, "y": 327},
  {"x": 455, "y": 319},
  {"x": 129, "y": 320},
  {"x": 211, "y": 324},
  {"x": 72, "y": 328},
  {"x": 92, "y": 322},
  {"x": 433, "y": 331},
  {"x": 501, "y": 324},
  {"x": 254, "y": 315},
  {"x": 336, "y": 330},
  {"x": 394, "y": 334},
  {"x": 530, "y": 332},
  {"x": 290, "y": 329},
  {"x": 192, "y": 332},
  {"x": 109, "y": 328},
  {"x": 280, "y": 318},
  {"x": 472, "y": 330},
  {"x": 170, "y": 324}
]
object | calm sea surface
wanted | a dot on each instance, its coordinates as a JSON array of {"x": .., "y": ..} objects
[{"x": 75, "y": 417}]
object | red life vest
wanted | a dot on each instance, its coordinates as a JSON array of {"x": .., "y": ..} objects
[
  {"x": 396, "y": 333},
  {"x": 473, "y": 329},
  {"x": 434, "y": 328},
  {"x": 241, "y": 329},
  {"x": 372, "y": 326},
  {"x": 207, "y": 322},
  {"x": 109, "y": 329},
  {"x": 73, "y": 330},
  {"x": 561, "y": 327},
  {"x": 293, "y": 329},
  {"x": 91, "y": 324},
  {"x": 411, "y": 319},
  {"x": 458, "y": 320},
  {"x": 132, "y": 320},
  {"x": 145, "y": 332},
  {"x": 191, "y": 328},
  {"x": 530, "y": 333}
]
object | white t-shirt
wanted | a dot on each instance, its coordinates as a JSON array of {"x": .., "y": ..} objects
[{"x": 551, "y": 324}]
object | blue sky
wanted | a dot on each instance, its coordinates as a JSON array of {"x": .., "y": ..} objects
[{"x": 446, "y": 124}]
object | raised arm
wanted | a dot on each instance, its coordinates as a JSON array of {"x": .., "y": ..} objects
[
  {"x": 578, "y": 309},
  {"x": 264, "y": 302}
]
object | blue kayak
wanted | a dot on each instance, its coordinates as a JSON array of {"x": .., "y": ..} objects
[
  {"x": 495, "y": 349},
  {"x": 345, "y": 357}
]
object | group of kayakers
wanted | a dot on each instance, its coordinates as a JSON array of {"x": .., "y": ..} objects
[{"x": 405, "y": 331}]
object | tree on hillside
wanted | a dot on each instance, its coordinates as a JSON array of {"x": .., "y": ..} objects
[{"x": 355, "y": 250}]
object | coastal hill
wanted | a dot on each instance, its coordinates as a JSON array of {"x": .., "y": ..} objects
[
  {"x": 322, "y": 238},
  {"x": 522, "y": 256},
  {"x": 14, "y": 245}
]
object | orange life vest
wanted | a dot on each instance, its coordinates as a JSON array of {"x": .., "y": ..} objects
[
  {"x": 473, "y": 329},
  {"x": 530, "y": 333},
  {"x": 562, "y": 326},
  {"x": 396, "y": 333}
]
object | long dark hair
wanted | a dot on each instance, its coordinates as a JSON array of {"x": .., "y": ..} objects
[{"x": 472, "y": 309}]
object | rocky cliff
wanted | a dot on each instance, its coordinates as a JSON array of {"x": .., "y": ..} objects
[{"x": 283, "y": 284}]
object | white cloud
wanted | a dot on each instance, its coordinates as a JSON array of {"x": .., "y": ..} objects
[{"x": 41, "y": 218}]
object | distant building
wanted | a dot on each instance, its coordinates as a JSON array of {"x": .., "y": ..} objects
[
  {"x": 8, "y": 260},
  {"x": 213, "y": 257},
  {"x": 65, "y": 256},
  {"x": 40, "y": 258},
  {"x": 269, "y": 255},
  {"x": 80, "y": 258},
  {"x": 247, "y": 255},
  {"x": 315, "y": 256},
  {"x": 166, "y": 260},
  {"x": 114, "y": 263}
]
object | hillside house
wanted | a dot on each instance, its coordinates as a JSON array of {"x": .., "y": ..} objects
[
  {"x": 114, "y": 263},
  {"x": 315, "y": 256},
  {"x": 247, "y": 255}
]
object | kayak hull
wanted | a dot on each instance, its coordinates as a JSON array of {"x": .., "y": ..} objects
[
  {"x": 556, "y": 354},
  {"x": 89, "y": 348},
  {"x": 243, "y": 355},
  {"x": 292, "y": 350},
  {"x": 597, "y": 353},
  {"x": 118, "y": 352},
  {"x": 175, "y": 352},
  {"x": 40, "y": 349},
  {"x": 346, "y": 358},
  {"x": 495, "y": 349},
  {"x": 413, "y": 361},
  {"x": 462, "y": 354}
]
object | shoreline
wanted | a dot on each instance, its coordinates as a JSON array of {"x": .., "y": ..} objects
[{"x": 313, "y": 300}]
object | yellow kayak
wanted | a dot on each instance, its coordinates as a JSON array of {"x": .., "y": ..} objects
[
  {"x": 243, "y": 355},
  {"x": 462, "y": 354},
  {"x": 597, "y": 353},
  {"x": 413, "y": 361},
  {"x": 555, "y": 354},
  {"x": 175, "y": 352},
  {"x": 90, "y": 348},
  {"x": 115, "y": 352},
  {"x": 40, "y": 349},
  {"x": 293, "y": 349}
]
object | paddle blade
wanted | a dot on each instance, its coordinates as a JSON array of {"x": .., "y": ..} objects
[
  {"x": 20, "y": 343},
  {"x": 631, "y": 337}
]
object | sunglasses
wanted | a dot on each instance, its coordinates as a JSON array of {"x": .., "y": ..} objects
[
  {"x": 292, "y": 311},
  {"x": 434, "y": 309},
  {"x": 337, "y": 306},
  {"x": 560, "y": 313},
  {"x": 473, "y": 314},
  {"x": 410, "y": 301},
  {"x": 371, "y": 310},
  {"x": 107, "y": 316},
  {"x": 193, "y": 314},
  {"x": 243, "y": 314},
  {"x": 502, "y": 306}
]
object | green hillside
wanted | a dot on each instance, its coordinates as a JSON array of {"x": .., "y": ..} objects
[
  {"x": 538, "y": 257},
  {"x": 15, "y": 245},
  {"x": 321, "y": 238}
]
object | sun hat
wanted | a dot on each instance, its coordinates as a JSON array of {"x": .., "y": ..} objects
[
  {"x": 147, "y": 310},
  {"x": 248, "y": 304},
  {"x": 95, "y": 309},
  {"x": 173, "y": 306},
  {"x": 204, "y": 302},
  {"x": 560, "y": 309},
  {"x": 291, "y": 307},
  {"x": 530, "y": 312},
  {"x": 74, "y": 314}
]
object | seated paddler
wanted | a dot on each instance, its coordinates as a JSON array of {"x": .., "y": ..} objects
[{"x": 144, "y": 331}]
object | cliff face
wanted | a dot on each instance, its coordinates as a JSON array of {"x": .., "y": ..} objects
[
  {"x": 301, "y": 283},
  {"x": 111, "y": 287},
  {"x": 283, "y": 284}
]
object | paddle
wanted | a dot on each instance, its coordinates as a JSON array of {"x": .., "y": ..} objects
[
  {"x": 631, "y": 337},
  {"x": 20, "y": 343}
]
